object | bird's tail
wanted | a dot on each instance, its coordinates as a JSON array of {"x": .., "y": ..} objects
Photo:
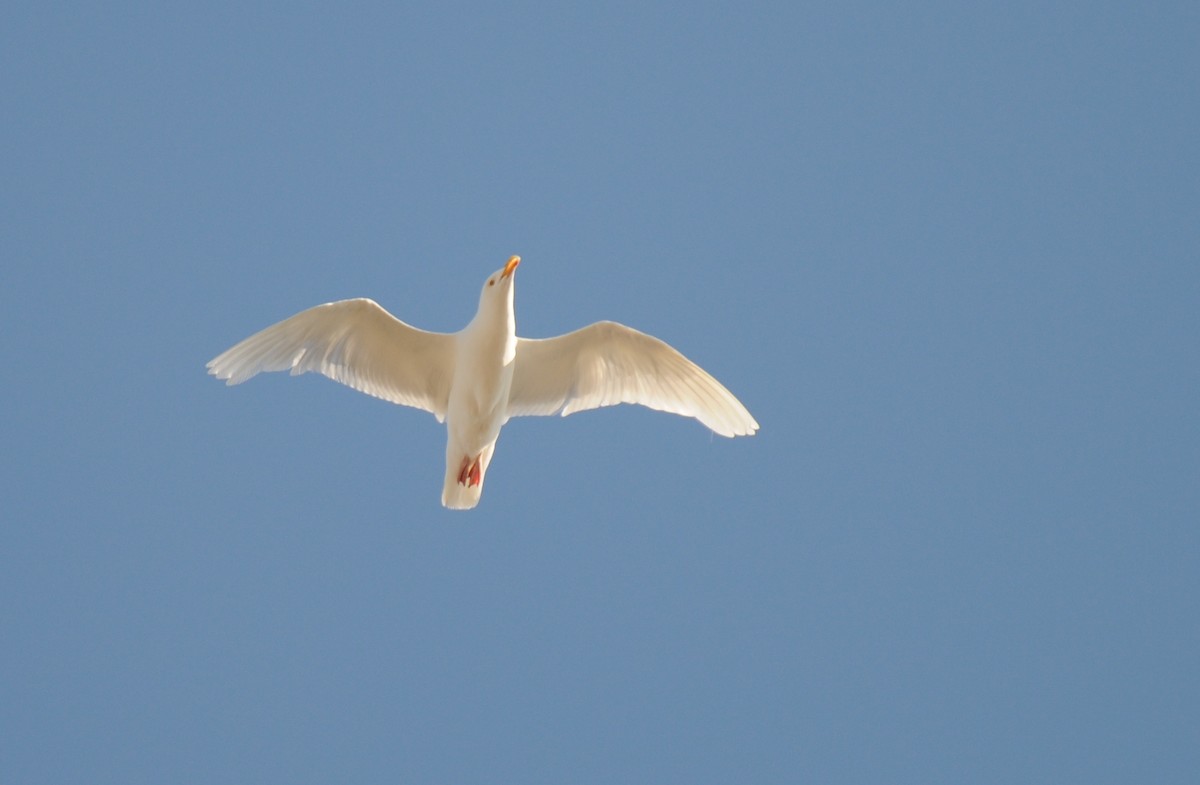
[{"x": 457, "y": 496}]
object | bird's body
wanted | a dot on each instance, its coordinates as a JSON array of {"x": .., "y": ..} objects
[
  {"x": 476, "y": 379},
  {"x": 478, "y": 401}
]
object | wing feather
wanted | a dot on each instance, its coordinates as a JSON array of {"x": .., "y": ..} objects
[
  {"x": 355, "y": 342},
  {"x": 607, "y": 363}
]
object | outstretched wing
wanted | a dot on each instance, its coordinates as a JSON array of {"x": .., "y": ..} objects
[
  {"x": 357, "y": 343},
  {"x": 607, "y": 363}
]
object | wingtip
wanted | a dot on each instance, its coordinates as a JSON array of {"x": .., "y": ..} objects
[
  {"x": 222, "y": 374},
  {"x": 211, "y": 368},
  {"x": 742, "y": 432}
]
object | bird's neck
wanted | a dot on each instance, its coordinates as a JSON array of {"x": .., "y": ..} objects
[{"x": 493, "y": 332}]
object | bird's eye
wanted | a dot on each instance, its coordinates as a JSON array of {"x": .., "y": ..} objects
[{"x": 492, "y": 282}]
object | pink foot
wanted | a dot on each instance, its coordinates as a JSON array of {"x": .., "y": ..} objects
[{"x": 470, "y": 473}]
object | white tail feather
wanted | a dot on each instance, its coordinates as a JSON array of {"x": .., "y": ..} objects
[{"x": 457, "y": 496}]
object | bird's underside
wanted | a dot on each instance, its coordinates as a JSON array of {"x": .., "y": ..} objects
[{"x": 358, "y": 343}]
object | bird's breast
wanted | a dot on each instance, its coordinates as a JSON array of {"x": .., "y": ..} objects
[{"x": 479, "y": 397}]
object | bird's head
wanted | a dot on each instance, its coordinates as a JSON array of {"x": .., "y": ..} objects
[{"x": 498, "y": 288}]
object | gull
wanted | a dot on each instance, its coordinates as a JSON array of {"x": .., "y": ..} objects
[{"x": 476, "y": 379}]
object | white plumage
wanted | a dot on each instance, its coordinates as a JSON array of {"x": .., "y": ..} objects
[{"x": 476, "y": 379}]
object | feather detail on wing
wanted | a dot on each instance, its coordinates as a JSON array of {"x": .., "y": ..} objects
[
  {"x": 607, "y": 363},
  {"x": 355, "y": 342}
]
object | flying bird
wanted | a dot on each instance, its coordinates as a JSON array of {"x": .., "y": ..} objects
[{"x": 476, "y": 379}]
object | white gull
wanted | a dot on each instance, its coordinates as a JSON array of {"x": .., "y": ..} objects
[{"x": 476, "y": 379}]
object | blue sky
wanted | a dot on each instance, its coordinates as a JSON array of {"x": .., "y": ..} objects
[{"x": 945, "y": 253}]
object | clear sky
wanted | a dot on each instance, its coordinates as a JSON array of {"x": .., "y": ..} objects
[{"x": 946, "y": 254}]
